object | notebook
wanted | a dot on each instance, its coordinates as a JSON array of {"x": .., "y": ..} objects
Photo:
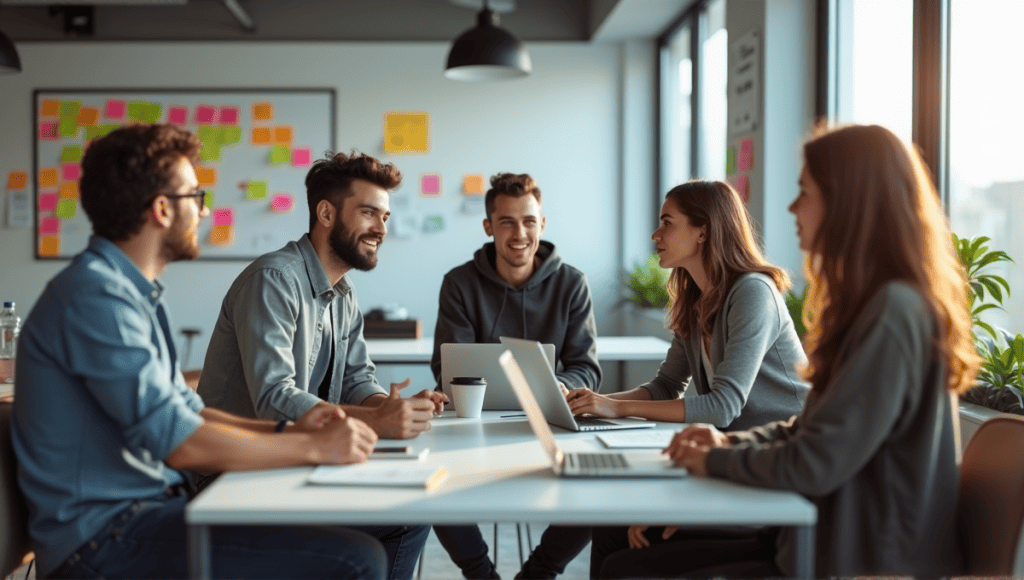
[
  {"x": 378, "y": 475},
  {"x": 600, "y": 464},
  {"x": 542, "y": 382},
  {"x": 481, "y": 360}
]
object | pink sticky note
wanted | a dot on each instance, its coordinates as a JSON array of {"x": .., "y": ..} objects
[
  {"x": 746, "y": 160},
  {"x": 177, "y": 114},
  {"x": 743, "y": 187},
  {"x": 229, "y": 115},
  {"x": 302, "y": 156},
  {"x": 49, "y": 226},
  {"x": 71, "y": 171},
  {"x": 205, "y": 114},
  {"x": 48, "y": 201},
  {"x": 114, "y": 109},
  {"x": 282, "y": 202},
  {"x": 430, "y": 185},
  {"x": 48, "y": 130},
  {"x": 224, "y": 216}
]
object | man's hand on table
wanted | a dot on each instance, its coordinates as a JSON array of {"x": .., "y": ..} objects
[{"x": 398, "y": 418}]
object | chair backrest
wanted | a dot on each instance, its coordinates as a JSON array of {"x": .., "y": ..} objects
[
  {"x": 14, "y": 540},
  {"x": 990, "y": 510}
]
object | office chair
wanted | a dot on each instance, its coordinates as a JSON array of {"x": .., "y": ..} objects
[
  {"x": 990, "y": 509},
  {"x": 14, "y": 540}
]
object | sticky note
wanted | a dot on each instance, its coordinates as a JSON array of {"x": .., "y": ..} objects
[
  {"x": 67, "y": 208},
  {"x": 208, "y": 200},
  {"x": 49, "y": 245},
  {"x": 17, "y": 179},
  {"x": 302, "y": 156},
  {"x": 138, "y": 111},
  {"x": 430, "y": 185},
  {"x": 283, "y": 135},
  {"x": 71, "y": 153},
  {"x": 88, "y": 116},
  {"x": 256, "y": 190},
  {"x": 282, "y": 202},
  {"x": 49, "y": 177},
  {"x": 69, "y": 110},
  {"x": 406, "y": 132},
  {"x": 48, "y": 130},
  {"x": 434, "y": 223},
  {"x": 473, "y": 205},
  {"x": 49, "y": 226},
  {"x": 210, "y": 151},
  {"x": 730, "y": 161},
  {"x": 221, "y": 235},
  {"x": 743, "y": 187},
  {"x": 232, "y": 135},
  {"x": 206, "y": 175},
  {"x": 224, "y": 216},
  {"x": 114, "y": 109},
  {"x": 261, "y": 136},
  {"x": 70, "y": 171},
  {"x": 746, "y": 159},
  {"x": 280, "y": 154},
  {"x": 48, "y": 201},
  {"x": 67, "y": 127},
  {"x": 205, "y": 114},
  {"x": 473, "y": 184},
  {"x": 228, "y": 115},
  {"x": 262, "y": 112},
  {"x": 69, "y": 190},
  {"x": 177, "y": 114},
  {"x": 49, "y": 108},
  {"x": 154, "y": 111}
]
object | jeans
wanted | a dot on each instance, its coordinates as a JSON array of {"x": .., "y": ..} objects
[
  {"x": 467, "y": 548},
  {"x": 694, "y": 553},
  {"x": 402, "y": 545},
  {"x": 558, "y": 546},
  {"x": 149, "y": 540}
]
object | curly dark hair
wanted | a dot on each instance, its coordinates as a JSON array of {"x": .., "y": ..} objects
[
  {"x": 512, "y": 185},
  {"x": 330, "y": 178},
  {"x": 124, "y": 171}
]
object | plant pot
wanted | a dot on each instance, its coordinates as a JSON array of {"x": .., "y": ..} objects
[{"x": 971, "y": 417}]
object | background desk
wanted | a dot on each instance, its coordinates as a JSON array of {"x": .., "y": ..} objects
[{"x": 497, "y": 473}]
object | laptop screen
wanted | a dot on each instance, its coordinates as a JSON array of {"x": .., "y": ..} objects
[{"x": 529, "y": 403}]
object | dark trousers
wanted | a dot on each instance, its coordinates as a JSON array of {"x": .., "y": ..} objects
[
  {"x": 694, "y": 553},
  {"x": 558, "y": 546}
]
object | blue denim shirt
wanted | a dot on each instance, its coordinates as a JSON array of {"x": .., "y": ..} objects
[
  {"x": 101, "y": 400},
  {"x": 269, "y": 335}
]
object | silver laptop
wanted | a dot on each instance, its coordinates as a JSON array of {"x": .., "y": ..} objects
[
  {"x": 598, "y": 464},
  {"x": 542, "y": 381},
  {"x": 481, "y": 360}
]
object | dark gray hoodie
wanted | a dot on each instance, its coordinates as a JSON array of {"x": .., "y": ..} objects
[{"x": 554, "y": 306}]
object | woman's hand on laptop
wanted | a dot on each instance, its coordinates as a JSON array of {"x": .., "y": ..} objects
[{"x": 583, "y": 401}]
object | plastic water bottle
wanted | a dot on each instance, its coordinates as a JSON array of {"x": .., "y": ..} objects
[{"x": 10, "y": 326}]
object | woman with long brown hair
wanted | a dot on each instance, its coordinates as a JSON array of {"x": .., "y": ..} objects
[{"x": 889, "y": 342}]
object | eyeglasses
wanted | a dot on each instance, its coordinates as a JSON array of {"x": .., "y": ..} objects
[{"x": 201, "y": 194}]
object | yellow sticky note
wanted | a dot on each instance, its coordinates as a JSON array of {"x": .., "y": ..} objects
[
  {"x": 69, "y": 190},
  {"x": 473, "y": 184},
  {"x": 261, "y": 136},
  {"x": 221, "y": 235},
  {"x": 262, "y": 112},
  {"x": 406, "y": 132},
  {"x": 49, "y": 178},
  {"x": 206, "y": 175},
  {"x": 49, "y": 245}
]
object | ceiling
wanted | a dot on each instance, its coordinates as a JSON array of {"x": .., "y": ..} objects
[{"x": 340, "y": 20}]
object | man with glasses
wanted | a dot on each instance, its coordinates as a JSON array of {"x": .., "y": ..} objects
[
  {"x": 289, "y": 337},
  {"x": 103, "y": 419}
]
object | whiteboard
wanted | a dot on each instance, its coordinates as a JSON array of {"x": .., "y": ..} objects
[{"x": 258, "y": 145}]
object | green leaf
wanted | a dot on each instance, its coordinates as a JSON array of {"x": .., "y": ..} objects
[
  {"x": 993, "y": 289},
  {"x": 987, "y": 328},
  {"x": 1018, "y": 348}
]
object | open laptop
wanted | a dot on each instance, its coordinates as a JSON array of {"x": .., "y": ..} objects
[
  {"x": 481, "y": 360},
  {"x": 541, "y": 379},
  {"x": 597, "y": 464}
]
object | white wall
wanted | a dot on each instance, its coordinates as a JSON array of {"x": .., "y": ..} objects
[{"x": 561, "y": 124}]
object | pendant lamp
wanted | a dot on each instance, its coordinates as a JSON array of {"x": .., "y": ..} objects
[
  {"x": 9, "y": 61},
  {"x": 487, "y": 52}
]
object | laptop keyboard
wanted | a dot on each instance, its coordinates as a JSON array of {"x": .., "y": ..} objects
[
  {"x": 593, "y": 461},
  {"x": 592, "y": 422}
]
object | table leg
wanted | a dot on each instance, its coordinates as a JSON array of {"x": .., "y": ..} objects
[
  {"x": 804, "y": 547},
  {"x": 199, "y": 552}
]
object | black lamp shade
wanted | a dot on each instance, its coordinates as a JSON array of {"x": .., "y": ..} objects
[
  {"x": 487, "y": 52},
  {"x": 9, "y": 61}
]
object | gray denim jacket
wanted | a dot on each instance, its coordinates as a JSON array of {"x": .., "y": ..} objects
[{"x": 267, "y": 339}]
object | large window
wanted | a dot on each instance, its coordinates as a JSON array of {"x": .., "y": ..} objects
[{"x": 676, "y": 108}]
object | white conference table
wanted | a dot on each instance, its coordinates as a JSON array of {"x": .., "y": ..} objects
[{"x": 498, "y": 472}]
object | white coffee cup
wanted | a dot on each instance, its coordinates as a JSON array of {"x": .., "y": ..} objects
[{"x": 468, "y": 393}]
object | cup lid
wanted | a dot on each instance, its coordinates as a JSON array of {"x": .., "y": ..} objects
[{"x": 468, "y": 381}]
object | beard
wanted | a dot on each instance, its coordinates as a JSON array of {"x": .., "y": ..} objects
[
  {"x": 346, "y": 245},
  {"x": 181, "y": 243}
]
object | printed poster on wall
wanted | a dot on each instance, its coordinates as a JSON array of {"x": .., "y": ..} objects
[
  {"x": 257, "y": 145},
  {"x": 744, "y": 82}
]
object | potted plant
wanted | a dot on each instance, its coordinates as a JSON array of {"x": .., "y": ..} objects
[{"x": 646, "y": 285}]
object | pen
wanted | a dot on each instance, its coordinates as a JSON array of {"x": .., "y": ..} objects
[{"x": 517, "y": 415}]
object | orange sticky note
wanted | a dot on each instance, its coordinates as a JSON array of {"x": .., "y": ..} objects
[
  {"x": 206, "y": 175},
  {"x": 262, "y": 112},
  {"x": 69, "y": 189},
  {"x": 88, "y": 116},
  {"x": 473, "y": 184},
  {"x": 49, "y": 178},
  {"x": 49, "y": 245},
  {"x": 283, "y": 135},
  {"x": 221, "y": 235},
  {"x": 261, "y": 136},
  {"x": 49, "y": 108},
  {"x": 17, "y": 179}
]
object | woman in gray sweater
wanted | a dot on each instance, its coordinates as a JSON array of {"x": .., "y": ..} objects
[{"x": 889, "y": 337}]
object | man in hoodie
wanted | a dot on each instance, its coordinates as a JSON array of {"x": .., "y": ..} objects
[{"x": 518, "y": 286}]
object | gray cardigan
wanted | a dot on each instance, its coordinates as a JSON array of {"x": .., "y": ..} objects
[
  {"x": 754, "y": 354},
  {"x": 875, "y": 452}
]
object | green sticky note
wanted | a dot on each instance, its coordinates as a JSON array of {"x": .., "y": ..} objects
[
  {"x": 256, "y": 190},
  {"x": 208, "y": 200},
  {"x": 93, "y": 132},
  {"x": 68, "y": 127},
  {"x": 154, "y": 111},
  {"x": 110, "y": 127},
  {"x": 71, "y": 153},
  {"x": 280, "y": 154},
  {"x": 66, "y": 208},
  {"x": 138, "y": 111},
  {"x": 208, "y": 135},
  {"x": 433, "y": 223},
  {"x": 730, "y": 161},
  {"x": 69, "y": 109},
  {"x": 232, "y": 135},
  {"x": 209, "y": 151}
]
